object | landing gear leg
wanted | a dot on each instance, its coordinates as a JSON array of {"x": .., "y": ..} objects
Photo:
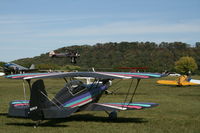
[{"x": 112, "y": 115}]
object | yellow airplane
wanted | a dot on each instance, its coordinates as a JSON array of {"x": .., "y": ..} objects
[{"x": 181, "y": 81}]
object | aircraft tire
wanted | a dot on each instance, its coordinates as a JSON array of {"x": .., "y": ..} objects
[{"x": 113, "y": 115}]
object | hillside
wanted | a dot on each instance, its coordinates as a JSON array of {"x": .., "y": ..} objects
[{"x": 157, "y": 57}]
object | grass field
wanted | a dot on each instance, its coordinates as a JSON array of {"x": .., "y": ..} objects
[{"x": 178, "y": 112}]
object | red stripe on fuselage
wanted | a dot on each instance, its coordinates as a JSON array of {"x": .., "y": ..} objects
[
  {"x": 80, "y": 102},
  {"x": 22, "y": 104}
]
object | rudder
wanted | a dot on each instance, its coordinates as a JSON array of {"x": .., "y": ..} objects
[{"x": 38, "y": 100}]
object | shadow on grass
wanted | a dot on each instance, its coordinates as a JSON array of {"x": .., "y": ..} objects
[
  {"x": 78, "y": 118},
  {"x": 89, "y": 117},
  {"x": 171, "y": 86},
  {"x": 3, "y": 114},
  {"x": 125, "y": 93},
  {"x": 29, "y": 124}
]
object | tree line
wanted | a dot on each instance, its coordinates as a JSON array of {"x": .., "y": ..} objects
[{"x": 156, "y": 57}]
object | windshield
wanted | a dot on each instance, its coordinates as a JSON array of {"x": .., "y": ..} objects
[{"x": 76, "y": 86}]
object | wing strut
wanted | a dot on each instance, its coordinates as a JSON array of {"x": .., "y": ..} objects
[
  {"x": 24, "y": 90},
  {"x": 138, "y": 81},
  {"x": 131, "y": 100},
  {"x": 29, "y": 83},
  {"x": 65, "y": 80},
  {"x": 128, "y": 91},
  {"x": 114, "y": 90},
  {"x": 93, "y": 83}
]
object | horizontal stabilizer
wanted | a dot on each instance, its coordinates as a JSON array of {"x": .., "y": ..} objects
[{"x": 20, "y": 108}]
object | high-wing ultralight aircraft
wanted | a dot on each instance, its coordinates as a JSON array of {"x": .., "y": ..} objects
[{"x": 75, "y": 96}]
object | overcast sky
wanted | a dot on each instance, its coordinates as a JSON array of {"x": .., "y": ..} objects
[{"x": 29, "y": 28}]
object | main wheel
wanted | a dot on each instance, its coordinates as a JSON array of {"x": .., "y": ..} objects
[{"x": 113, "y": 115}]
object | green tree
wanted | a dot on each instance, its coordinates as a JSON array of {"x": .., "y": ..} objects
[
  {"x": 185, "y": 64},
  {"x": 198, "y": 44},
  {"x": 70, "y": 67},
  {"x": 157, "y": 57},
  {"x": 47, "y": 66},
  {"x": 2, "y": 63}
]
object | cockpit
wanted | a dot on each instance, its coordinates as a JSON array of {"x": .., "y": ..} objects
[{"x": 76, "y": 86}]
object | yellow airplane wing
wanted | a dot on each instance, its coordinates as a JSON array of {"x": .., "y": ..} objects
[
  {"x": 174, "y": 82},
  {"x": 167, "y": 82}
]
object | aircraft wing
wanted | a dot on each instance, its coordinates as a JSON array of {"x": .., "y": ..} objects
[
  {"x": 23, "y": 76},
  {"x": 174, "y": 82},
  {"x": 119, "y": 106},
  {"x": 195, "y": 81},
  {"x": 99, "y": 75},
  {"x": 19, "y": 67},
  {"x": 167, "y": 82}
]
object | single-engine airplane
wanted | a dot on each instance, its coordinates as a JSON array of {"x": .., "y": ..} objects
[
  {"x": 182, "y": 80},
  {"x": 12, "y": 68},
  {"x": 73, "y": 55},
  {"x": 75, "y": 96}
]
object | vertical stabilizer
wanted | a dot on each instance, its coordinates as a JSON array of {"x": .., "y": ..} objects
[
  {"x": 38, "y": 100},
  {"x": 32, "y": 66}
]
